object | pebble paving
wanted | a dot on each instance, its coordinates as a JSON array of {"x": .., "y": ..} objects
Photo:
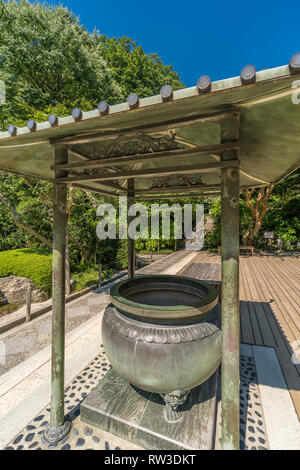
[
  {"x": 252, "y": 427},
  {"x": 81, "y": 436},
  {"x": 87, "y": 437}
]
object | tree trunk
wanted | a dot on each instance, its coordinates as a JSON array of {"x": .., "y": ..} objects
[
  {"x": 18, "y": 223},
  {"x": 258, "y": 209}
]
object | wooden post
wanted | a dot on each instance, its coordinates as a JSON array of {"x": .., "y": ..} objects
[
  {"x": 230, "y": 293},
  {"x": 58, "y": 427},
  {"x": 130, "y": 241},
  {"x": 100, "y": 275},
  {"x": 68, "y": 276},
  {"x": 28, "y": 303}
]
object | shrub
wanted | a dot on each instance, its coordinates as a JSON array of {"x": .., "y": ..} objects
[
  {"x": 33, "y": 264},
  {"x": 122, "y": 255}
]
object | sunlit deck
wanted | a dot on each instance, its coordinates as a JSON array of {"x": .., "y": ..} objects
[{"x": 270, "y": 307}]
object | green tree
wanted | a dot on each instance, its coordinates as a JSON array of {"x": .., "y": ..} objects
[
  {"x": 270, "y": 208},
  {"x": 272, "y": 200},
  {"x": 47, "y": 59},
  {"x": 50, "y": 63},
  {"x": 136, "y": 71}
]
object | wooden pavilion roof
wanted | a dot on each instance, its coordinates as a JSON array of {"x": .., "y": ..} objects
[{"x": 172, "y": 142}]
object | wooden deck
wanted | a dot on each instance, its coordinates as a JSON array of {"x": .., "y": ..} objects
[{"x": 270, "y": 307}]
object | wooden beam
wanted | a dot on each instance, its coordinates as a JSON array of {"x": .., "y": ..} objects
[
  {"x": 116, "y": 133},
  {"x": 150, "y": 173},
  {"x": 116, "y": 187},
  {"x": 85, "y": 159},
  {"x": 176, "y": 196},
  {"x": 178, "y": 189},
  {"x": 109, "y": 185},
  {"x": 147, "y": 157},
  {"x": 78, "y": 154},
  {"x": 96, "y": 190},
  {"x": 154, "y": 193}
]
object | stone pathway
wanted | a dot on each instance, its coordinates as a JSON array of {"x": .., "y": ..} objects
[
  {"x": 87, "y": 437},
  {"x": 27, "y": 339},
  {"x": 171, "y": 264}
]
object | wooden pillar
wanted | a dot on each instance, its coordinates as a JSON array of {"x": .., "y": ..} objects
[
  {"x": 58, "y": 427},
  {"x": 230, "y": 189},
  {"x": 130, "y": 241}
]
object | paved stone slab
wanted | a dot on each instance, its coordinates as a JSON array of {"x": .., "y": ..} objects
[
  {"x": 253, "y": 433},
  {"x": 138, "y": 416},
  {"x": 81, "y": 436},
  {"x": 282, "y": 423}
]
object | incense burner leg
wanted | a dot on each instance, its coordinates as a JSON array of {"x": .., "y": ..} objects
[{"x": 173, "y": 400}]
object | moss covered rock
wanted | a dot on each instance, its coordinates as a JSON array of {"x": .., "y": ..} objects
[{"x": 25, "y": 262}]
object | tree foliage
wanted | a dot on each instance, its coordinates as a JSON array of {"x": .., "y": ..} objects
[
  {"x": 136, "y": 71},
  {"x": 51, "y": 63},
  {"x": 48, "y": 59},
  {"x": 269, "y": 208}
]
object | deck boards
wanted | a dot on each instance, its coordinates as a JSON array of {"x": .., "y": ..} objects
[{"x": 269, "y": 307}]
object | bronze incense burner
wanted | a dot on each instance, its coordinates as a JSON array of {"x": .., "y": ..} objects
[{"x": 162, "y": 334}]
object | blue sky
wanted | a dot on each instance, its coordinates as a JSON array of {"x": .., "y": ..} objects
[{"x": 214, "y": 38}]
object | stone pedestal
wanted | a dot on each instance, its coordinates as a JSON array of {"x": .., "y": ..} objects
[{"x": 138, "y": 416}]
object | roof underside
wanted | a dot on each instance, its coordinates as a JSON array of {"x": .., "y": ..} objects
[{"x": 171, "y": 146}]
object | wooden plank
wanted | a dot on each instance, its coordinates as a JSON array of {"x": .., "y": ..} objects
[
  {"x": 253, "y": 294},
  {"x": 242, "y": 285},
  {"x": 208, "y": 272},
  {"x": 286, "y": 295},
  {"x": 264, "y": 326},
  {"x": 246, "y": 285},
  {"x": 288, "y": 265},
  {"x": 264, "y": 322},
  {"x": 265, "y": 332},
  {"x": 286, "y": 278},
  {"x": 246, "y": 326},
  {"x": 288, "y": 315},
  {"x": 275, "y": 314},
  {"x": 283, "y": 334},
  {"x": 255, "y": 325}
]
